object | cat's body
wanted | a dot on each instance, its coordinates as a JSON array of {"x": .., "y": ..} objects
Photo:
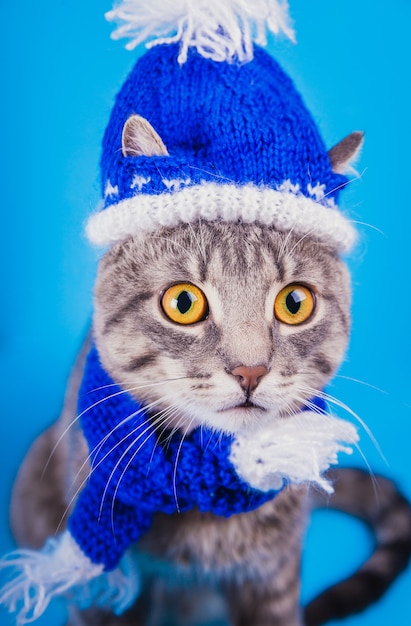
[{"x": 189, "y": 375}]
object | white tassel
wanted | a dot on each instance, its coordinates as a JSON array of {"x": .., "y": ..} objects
[
  {"x": 62, "y": 569},
  {"x": 222, "y": 30},
  {"x": 299, "y": 449}
]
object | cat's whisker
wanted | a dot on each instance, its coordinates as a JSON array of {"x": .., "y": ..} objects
[
  {"x": 174, "y": 429},
  {"x": 174, "y": 243},
  {"x": 343, "y": 185},
  {"x": 98, "y": 447},
  {"x": 284, "y": 243},
  {"x": 143, "y": 409},
  {"x": 332, "y": 400},
  {"x": 308, "y": 234},
  {"x": 309, "y": 404},
  {"x": 72, "y": 423},
  {"x": 201, "y": 248},
  {"x": 362, "y": 382},
  {"x": 210, "y": 439},
  {"x": 219, "y": 177},
  {"x": 156, "y": 424},
  {"x": 157, "y": 421},
  {"x": 148, "y": 428},
  {"x": 122, "y": 383},
  {"x": 102, "y": 400},
  {"x": 313, "y": 407},
  {"x": 378, "y": 230},
  {"x": 168, "y": 416},
  {"x": 95, "y": 467},
  {"x": 179, "y": 409},
  {"x": 151, "y": 427},
  {"x": 290, "y": 409},
  {"x": 176, "y": 463}
]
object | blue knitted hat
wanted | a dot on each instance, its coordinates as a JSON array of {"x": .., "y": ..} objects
[{"x": 241, "y": 145}]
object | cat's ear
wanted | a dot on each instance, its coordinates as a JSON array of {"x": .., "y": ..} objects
[
  {"x": 345, "y": 152},
  {"x": 140, "y": 139}
]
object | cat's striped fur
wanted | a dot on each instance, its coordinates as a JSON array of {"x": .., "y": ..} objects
[
  {"x": 185, "y": 373},
  {"x": 240, "y": 268}
]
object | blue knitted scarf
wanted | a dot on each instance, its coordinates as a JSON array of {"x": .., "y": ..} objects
[{"x": 136, "y": 473}]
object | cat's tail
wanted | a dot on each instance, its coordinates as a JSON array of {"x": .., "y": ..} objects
[{"x": 377, "y": 502}]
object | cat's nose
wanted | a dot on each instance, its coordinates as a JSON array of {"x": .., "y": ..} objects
[{"x": 249, "y": 377}]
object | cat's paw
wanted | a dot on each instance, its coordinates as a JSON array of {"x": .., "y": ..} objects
[{"x": 297, "y": 449}]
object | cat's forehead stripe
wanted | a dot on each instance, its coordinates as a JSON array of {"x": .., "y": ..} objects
[{"x": 284, "y": 210}]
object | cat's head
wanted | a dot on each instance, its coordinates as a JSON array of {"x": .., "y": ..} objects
[{"x": 222, "y": 324}]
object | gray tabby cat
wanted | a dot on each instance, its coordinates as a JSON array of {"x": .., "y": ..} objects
[{"x": 240, "y": 364}]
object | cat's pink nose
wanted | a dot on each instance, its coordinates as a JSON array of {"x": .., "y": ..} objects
[{"x": 249, "y": 377}]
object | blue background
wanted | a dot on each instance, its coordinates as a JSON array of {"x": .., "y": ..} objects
[{"x": 60, "y": 72}]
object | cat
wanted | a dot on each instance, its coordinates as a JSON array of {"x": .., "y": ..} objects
[
  {"x": 195, "y": 436},
  {"x": 188, "y": 373}
]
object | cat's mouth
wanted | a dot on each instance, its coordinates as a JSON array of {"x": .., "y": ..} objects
[{"x": 247, "y": 404}]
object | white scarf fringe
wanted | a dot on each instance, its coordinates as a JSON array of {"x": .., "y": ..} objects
[
  {"x": 62, "y": 569},
  {"x": 299, "y": 449}
]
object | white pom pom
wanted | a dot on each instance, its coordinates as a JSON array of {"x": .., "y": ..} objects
[{"x": 222, "y": 30}]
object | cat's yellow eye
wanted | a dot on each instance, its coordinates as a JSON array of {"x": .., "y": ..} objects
[
  {"x": 294, "y": 304},
  {"x": 184, "y": 304}
]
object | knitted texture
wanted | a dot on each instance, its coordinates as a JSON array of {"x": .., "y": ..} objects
[
  {"x": 231, "y": 130},
  {"x": 135, "y": 473},
  {"x": 210, "y": 201}
]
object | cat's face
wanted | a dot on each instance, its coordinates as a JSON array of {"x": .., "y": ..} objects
[{"x": 256, "y": 352}]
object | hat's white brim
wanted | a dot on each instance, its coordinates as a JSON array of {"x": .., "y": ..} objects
[{"x": 283, "y": 209}]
